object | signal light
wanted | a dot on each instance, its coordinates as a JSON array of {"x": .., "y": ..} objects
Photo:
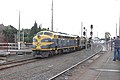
[
  {"x": 84, "y": 33},
  {"x": 84, "y": 28},
  {"x": 91, "y": 33},
  {"x": 91, "y": 26}
]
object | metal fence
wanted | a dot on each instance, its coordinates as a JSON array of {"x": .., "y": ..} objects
[{"x": 14, "y": 46}]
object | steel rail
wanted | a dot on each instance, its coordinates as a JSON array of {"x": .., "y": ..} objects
[
  {"x": 57, "y": 75},
  {"x": 17, "y": 63}
]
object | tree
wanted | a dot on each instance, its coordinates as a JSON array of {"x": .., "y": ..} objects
[
  {"x": 33, "y": 31},
  {"x": 26, "y": 35},
  {"x": 39, "y": 29},
  {"x": 44, "y": 29}
]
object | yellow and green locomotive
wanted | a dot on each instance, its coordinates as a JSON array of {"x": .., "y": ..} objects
[{"x": 47, "y": 43}]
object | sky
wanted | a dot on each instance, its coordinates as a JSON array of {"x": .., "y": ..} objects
[{"x": 67, "y": 15}]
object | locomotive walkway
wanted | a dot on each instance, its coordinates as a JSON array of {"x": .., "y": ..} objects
[{"x": 104, "y": 68}]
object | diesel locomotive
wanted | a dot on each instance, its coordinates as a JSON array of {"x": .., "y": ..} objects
[{"x": 46, "y": 43}]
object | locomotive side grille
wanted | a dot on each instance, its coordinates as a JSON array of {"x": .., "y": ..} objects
[{"x": 45, "y": 47}]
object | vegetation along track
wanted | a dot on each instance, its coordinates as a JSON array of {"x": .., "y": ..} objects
[
  {"x": 66, "y": 70},
  {"x": 17, "y": 63}
]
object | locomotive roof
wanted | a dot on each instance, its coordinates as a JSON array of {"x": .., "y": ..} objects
[
  {"x": 61, "y": 34},
  {"x": 64, "y": 34}
]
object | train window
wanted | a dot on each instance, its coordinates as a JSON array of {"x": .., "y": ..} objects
[
  {"x": 59, "y": 42},
  {"x": 47, "y": 33},
  {"x": 46, "y": 40},
  {"x": 64, "y": 43}
]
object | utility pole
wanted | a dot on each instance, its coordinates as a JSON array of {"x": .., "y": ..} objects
[
  {"x": 81, "y": 28},
  {"x": 23, "y": 35},
  {"x": 116, "y": 29},
  {"x": 97, "y": 34},
  {"x": 52, "y": 17},
  {"x": 119, "y": 25},
  {"x": 19, "y": 29},
  {"x": 81, "y": 33},
  {"x": 19, "y": 33}
]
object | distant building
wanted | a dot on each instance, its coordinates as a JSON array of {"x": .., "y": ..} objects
[
  {"x": 2, "y": 35},
  {"x": 5, "y": 36}
]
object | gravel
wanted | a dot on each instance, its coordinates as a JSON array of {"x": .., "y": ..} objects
[{"x": 43, "y": 69}]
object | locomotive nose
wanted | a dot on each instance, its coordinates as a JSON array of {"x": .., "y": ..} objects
[{"x": 38, "y": 36}]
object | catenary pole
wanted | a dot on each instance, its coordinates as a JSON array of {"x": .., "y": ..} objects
[
  {"x": 19, "y": 29},
  {"x": 81, "y": 33},
  {"x": 116, "y": 29},
  {"x": 119, "y": 25},
  {"x": 52, "y": 17}
]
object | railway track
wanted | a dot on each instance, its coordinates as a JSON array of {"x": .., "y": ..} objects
[
  {"x": 56, "y": 77},
  {"x": 46, "y": 69},
  {"x": 11, "y": 64}
]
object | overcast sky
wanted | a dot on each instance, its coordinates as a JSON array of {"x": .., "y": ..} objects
[{"x": 68, "y": 15}]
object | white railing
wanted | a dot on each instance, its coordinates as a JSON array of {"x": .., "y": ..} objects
[
  {"x": 14, "y": 46},
  {"x": 7, "y": 49}
]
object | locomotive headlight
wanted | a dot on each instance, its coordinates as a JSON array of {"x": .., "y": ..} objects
[
  {"x": 33, "y": 46},
  {"x": 34, "y": 43},
  {"x": 34, "y": 40}
]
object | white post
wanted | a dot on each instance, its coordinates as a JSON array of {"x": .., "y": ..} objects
[
  {"x": 52, "y": 17},
  {"x": 119, "y": 25},
  {"x": 18, "y": 45},
  {"x": 81, "y": 33},
  {"x": 19, "y": 29},
  {"x": 116, "y": 29}
]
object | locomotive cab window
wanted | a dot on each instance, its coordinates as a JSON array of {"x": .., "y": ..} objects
[
  {"x": 40, "y": 33},
  {"x": 47, "y": 33}
]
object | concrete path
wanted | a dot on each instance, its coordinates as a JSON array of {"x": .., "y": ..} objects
[{"x": 104, "y": 68}]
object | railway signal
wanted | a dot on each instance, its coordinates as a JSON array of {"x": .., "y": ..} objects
[
  {"x": 91, "y": 34},
  {"x": 84, "y": 28},
  {"x": 84, "y": 33},
  {"x": 91, "y": 27}
]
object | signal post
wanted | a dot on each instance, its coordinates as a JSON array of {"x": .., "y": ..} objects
[{"x": 91, "y": 34}]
